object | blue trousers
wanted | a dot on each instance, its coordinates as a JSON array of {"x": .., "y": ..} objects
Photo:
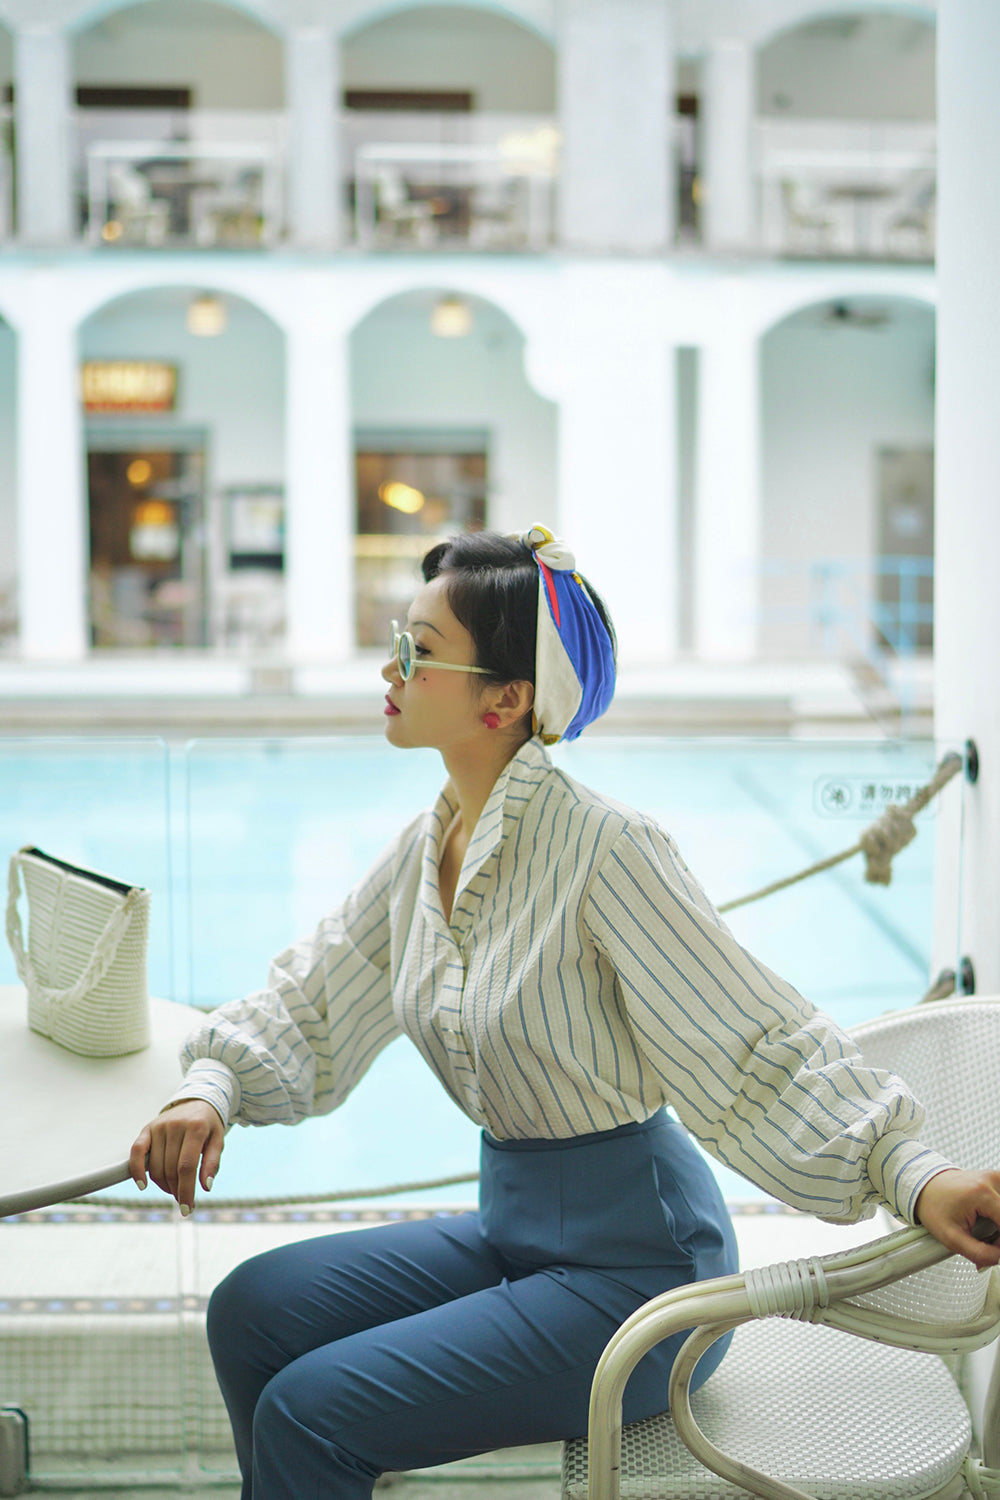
[{"x": 420, "y": 1342}]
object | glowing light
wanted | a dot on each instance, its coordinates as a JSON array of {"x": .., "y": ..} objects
[
  {"x": 153, "y": 513},
  {"x": 111, "y": 231},
  {"x": 139, "y": 471},
  {"x": 206, "y": 316},
  {"x": 401, "y": 496},
  {"x": 451, "y": 318}
]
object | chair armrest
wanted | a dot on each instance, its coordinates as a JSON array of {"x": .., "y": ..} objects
[
  {"x": 60, "y": 1192},
  {"x": 712, "y": 1308}
]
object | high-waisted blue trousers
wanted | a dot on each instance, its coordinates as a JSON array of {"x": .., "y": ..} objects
[{"x": 419, "y": 1342}]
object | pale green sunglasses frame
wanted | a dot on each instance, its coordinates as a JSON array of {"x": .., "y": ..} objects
[{"x": 403, "y": 647}]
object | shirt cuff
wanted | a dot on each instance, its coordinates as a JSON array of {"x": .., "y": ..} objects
[
  {"x": 214, "y": 1082},
  {"x": 899, "y": 1167}
]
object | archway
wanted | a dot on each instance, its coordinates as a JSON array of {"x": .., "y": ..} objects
[
  {"x": 8, "y": 485},
  {"x": 448, "y": 434},
  {"x": 450, "y": 128},
  {"x": 846, "y": 135},
  {"x": 184, "y": 394},
  {"x": 204, "y": 81},
  {"x": 847, "y": 403}
]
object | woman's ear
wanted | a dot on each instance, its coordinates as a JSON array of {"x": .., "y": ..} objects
[{"x": 513, "y": 701}]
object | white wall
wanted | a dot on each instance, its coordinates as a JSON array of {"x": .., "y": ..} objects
[
  {"x": 8, "y": 472},
  {"x": 227, "y": 60},
  {"x": 831, "y": 398},
  {"x": 232, "y": 385},
  {"x": 506, "y": 66},
  {"x": 403, "y": 376},
  {"x": 850, "y": 66}
]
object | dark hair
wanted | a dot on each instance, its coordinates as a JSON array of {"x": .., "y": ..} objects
[{"x": 492, "y": 589}]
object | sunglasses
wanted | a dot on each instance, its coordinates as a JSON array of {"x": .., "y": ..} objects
[{"x": 403, "y": 647}]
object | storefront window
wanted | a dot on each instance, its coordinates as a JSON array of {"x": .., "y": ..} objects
[{"x": 409, "y": 496}]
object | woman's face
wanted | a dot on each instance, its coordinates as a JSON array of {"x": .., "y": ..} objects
[{"x": 438, "y": 710}]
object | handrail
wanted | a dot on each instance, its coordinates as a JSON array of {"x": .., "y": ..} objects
[
  {"x": 724, "y": 1303},
  {"x": 61, "y": 1192}
]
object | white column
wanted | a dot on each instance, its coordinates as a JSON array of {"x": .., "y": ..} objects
[
  {"x": 727, "y": 497},
  {"x": 52, "y": 542},
  {"x": 967, "y": 522},
  {"x": 727, "y": 107},
  {"x": 618, "y": 183},
  {"x": 43, "y": 83},
  {"x": 319, "y": 504},
  {"x": 618, "y": 477},
  {"x": 312, "y": 92}
]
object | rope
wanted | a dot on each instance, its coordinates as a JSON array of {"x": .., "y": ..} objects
[
  {"x": 890, "y": 832},
  {"x": 294, "y": 1200}
]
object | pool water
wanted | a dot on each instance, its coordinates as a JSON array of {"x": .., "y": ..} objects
[{"x": 246, "y": 843}]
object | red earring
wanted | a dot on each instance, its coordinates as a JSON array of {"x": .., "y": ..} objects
[{"x": 491, "y": 720}]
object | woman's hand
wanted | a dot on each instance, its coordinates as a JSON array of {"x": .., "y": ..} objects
[
  {"x": 170, "y": 1148},
  {"x": 949, "y": 1204}
]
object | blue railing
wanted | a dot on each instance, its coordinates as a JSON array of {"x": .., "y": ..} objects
[{"x": 878, "y": 607}]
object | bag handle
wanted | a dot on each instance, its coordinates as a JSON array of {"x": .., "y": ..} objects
[{"x": 103, "y": 956}]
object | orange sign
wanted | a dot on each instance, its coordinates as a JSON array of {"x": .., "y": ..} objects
[{"x": 114, "y": 386}]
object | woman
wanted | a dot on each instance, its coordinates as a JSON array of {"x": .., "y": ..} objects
[{"x": 552, "y": 957}]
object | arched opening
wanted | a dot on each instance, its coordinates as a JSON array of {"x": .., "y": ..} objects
[
  {"x": 184, "y": 418},
  {"x": 8, "y": 486},
  {"x": 846, "y": 110},
  {"x": 6, "y": 134},
  {"x": 848, "y": 480},
  {"x": 448, "y": 435},
  {"x": 201, "y": 81},
  {"x": 451, "y": 138}
]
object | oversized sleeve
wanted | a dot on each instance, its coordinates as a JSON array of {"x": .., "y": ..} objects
[
  {"x": 298, "y": 1046},
  {"x": 766, "y": 1082}
]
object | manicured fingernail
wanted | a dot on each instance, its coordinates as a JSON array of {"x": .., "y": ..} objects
[
  {"x": 142, "y": 1185},
  {"x": 208, "y": 1184},
  {"x": 185, "y": 1210}
]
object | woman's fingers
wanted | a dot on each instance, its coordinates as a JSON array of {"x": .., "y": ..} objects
[
  {"x": 171, "y": 1149},
  {"x": 137, "y": 1157}
]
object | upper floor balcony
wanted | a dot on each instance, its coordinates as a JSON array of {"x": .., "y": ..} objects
[{"x": 434, "y": 181}]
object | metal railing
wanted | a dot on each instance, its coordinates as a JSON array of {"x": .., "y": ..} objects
[{"x": 876, "y": 607}]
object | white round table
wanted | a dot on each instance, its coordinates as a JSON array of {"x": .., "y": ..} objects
[{"x": 68, "y": 1118}]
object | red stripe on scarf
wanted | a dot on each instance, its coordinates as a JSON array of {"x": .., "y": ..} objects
[{"x": 550, "y": 585}]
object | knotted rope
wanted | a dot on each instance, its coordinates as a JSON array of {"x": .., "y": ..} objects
[{"x": 879, "y": 843}]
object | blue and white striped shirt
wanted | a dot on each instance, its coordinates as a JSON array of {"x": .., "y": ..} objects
[{"x": 583, "y": 981}]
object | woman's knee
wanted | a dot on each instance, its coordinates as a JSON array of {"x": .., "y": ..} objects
[{"x": 233, "y": 1306}]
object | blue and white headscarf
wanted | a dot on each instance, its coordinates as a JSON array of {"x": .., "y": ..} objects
[{"x": 574, "y": 657}]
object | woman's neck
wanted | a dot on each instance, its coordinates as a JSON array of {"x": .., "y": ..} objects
[{"x": 473, "y": 777}]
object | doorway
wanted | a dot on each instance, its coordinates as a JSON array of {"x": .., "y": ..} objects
[
  {"x": 906, "y": 547},
  {"x": 147, "y": 544}
]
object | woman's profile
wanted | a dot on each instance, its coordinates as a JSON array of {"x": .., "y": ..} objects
[{"x": 572, "y": 987}]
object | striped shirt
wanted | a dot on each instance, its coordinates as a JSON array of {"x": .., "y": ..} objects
[{"x": 584, "y": 980}]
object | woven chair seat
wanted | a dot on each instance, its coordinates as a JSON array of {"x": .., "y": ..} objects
[{"x": 802, "y": 1404}]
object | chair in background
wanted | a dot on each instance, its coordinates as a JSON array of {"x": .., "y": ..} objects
[
  {"x": 866, "y": 1406},
  {"x": 806, "y": 228},
  {"x": 912, "y": 232},
  {"x": 142, "y": 217},
  {"x": 399, "y": 214}
]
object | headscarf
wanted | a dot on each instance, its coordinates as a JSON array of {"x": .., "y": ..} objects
[{"x": 574, "y": 657}]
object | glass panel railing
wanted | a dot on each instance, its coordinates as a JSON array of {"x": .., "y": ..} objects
[
  {"x": 162, "y": 177},
  {"x": 847, "y": 188},
  {"x": 429, "y": 180},
  {"x": 91, "y": 1305}
]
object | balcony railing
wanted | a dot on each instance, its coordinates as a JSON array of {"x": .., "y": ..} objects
[
  {"x": 840, "y": 188},
  {"x": 181, "y": 177},
  {"x": 430, "y": 181},
  {"x": 873, "y": 609}
]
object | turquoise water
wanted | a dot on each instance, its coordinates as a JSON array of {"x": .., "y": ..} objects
[{"x": 246, "y": 843}]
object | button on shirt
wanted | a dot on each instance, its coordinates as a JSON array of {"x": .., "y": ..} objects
[{"x": 584, "y": 980}]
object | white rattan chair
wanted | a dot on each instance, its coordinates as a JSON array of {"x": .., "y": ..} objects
[{"x": 849, "y": 1410}]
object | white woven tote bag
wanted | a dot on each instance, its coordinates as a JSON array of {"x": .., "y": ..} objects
[{"x": 84, "y": 966}]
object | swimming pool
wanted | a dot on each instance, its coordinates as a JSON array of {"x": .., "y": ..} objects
[{"x": 246, "y": 843}]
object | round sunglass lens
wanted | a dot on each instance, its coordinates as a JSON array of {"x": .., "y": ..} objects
[{"x": 405, "y": 656}]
